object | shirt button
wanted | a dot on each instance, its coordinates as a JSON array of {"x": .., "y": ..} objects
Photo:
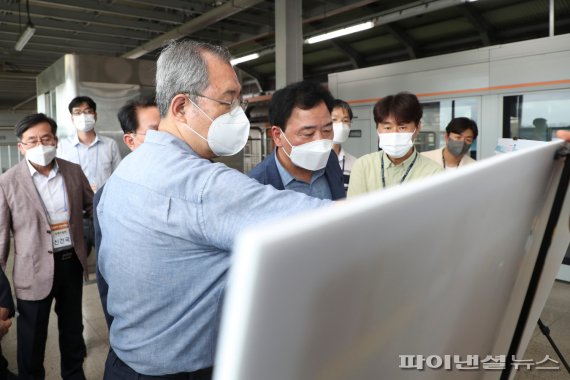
[{"x": 48, "y": 231}]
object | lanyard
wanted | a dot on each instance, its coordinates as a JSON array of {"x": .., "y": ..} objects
[
  {"x": 443, "y": 158},
  {"x": 405, "y": 174},
  {"x": 96, "y": 159}
]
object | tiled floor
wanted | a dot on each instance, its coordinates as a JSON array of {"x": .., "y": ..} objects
[{"x": 556, "y": 315}]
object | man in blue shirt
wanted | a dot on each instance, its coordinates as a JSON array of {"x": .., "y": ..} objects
[
  {"x": 136, "y": 118},
  {"x": 169, "y": 217},
  {"x": 302, "y": 130}
]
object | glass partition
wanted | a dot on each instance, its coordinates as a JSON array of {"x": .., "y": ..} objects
[{"x": 536, "y": 116}]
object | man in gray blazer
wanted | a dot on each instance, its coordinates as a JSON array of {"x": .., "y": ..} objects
[{"x": 42, "y": 200}]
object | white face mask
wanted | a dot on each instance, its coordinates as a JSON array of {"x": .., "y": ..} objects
[
  {"x": 341, "y": 132},
  {"x": 312, "y": 155},
  {"x": 84, "y": 123},
  {"x": 395, "y": 144},
  {"x": 41, "y": 155},
  {"x": 228, "y": 133}
]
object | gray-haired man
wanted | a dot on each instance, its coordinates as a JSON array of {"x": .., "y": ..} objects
[{"x": 172, "y": 214}]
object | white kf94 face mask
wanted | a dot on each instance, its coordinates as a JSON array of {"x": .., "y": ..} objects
[
  {"x": 41, "y": 155},
  {"x": 312, "y": 155},
  {"x": 228, "y": 133},
  {"x": 341, "y": 132},
  {"x": 84, "y": 123},
  {"x": 395, "y": 144}
]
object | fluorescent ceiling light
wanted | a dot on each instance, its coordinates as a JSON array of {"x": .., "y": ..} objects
[
  {"x": 245, "y": 58},
  {"x": 340, "y": 32},
  {"x": 25, "y": 37}
]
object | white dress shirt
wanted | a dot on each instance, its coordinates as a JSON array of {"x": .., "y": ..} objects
[
  {"x": 97, "y": 160},
  {"x": 52, "y": 191}
]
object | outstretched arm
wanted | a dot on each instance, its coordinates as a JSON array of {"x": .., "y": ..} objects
[{"x": 564, "y": 135}]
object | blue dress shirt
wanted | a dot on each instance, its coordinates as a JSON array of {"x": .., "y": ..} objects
[
  {"x": 169, "y": 220},
  {"x": 319, "y": 186}
]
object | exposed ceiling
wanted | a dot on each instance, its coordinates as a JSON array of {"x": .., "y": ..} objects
[{"x": 407, "y": 29}]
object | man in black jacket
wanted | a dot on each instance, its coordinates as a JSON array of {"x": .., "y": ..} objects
[{"x": 6, "y": 312}]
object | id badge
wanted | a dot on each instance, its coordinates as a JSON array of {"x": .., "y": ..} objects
[{"x": 60, "y": 233}]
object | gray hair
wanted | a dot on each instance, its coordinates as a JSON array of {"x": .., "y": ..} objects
[{"x": 181, "y": 69}]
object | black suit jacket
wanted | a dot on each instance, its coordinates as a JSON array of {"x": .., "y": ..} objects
[
  {"x": 266, "y": 172},
  {"x": 6, "y": 300}
]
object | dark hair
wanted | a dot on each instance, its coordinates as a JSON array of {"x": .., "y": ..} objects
[
  {"x": 403, "y": 107},
  {"x": 127, "y": 115},
  {"x": 304, "y": 95},
  {"x": 460, "y": 125},
  {"x": 79, "y": 100},
  {"x": 32, "y": 120},
  {"x": 344, "y": 105}
]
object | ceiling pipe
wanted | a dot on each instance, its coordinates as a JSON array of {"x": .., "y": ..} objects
[{"x": 196, "y": 24}]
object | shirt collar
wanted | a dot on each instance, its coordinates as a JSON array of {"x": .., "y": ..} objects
[
  {"x": 287, "y": 178},
  {"x": 165, "y": 138},
  {"x": 53, "y": 172},
  {"x": 406, "y": 163},
  {"x": 75, "y": 140}
]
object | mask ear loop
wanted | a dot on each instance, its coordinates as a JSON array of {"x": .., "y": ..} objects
[
  {"x": 189, "y": 127},
  {"x": 200, "y": 109},
  {"x": 291, "y": 145}
]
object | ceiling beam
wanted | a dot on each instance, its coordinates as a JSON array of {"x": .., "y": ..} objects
[
  {"x": 189, "y": 7},
  {"x": 356, "y": 59},
  {"x": 112, "y": 8},
  {"x": 57, "y": 48},
  {"x": 113, "y": 31},
  {"x": 213, "y": 35},
  {"x": 88, "y": 16},
  {"x": 401, "y": 35},
  {"x": 7, "y": 75},
  {"x": 192, "y": 26},
  {"x": 325, "y": 11},
  {"x": 93, "y": 17},
  {"x": 478, "y": 21},
  {"x": 259, "y": 78},
  {"x": 12, "y": 34},
  {"x": 316, "y": 14},
  {"x": 196, "y": 8}
]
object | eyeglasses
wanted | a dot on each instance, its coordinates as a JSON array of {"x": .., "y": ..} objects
[
  {"x": 87, "y": 111},
  {"x": 46, "y": 140},
  {"x": 237, "y": 102}
]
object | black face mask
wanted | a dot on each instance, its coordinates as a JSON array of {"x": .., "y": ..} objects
[{"x": 457, "y": 148}]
